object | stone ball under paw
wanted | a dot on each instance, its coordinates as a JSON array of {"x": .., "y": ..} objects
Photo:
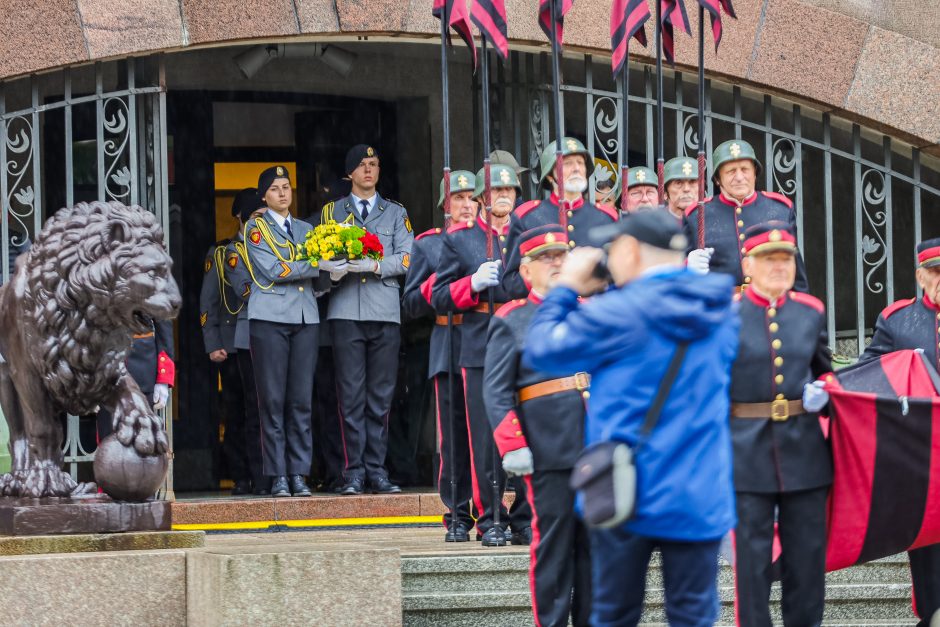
[{"x": 124, "y": 474}]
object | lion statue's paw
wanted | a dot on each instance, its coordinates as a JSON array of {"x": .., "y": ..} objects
[
  {"x": 42, "y": 478},
  {"x": 136, "y": 424}
]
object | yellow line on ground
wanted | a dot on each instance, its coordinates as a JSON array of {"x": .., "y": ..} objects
[{"x": 311, "y": 522}]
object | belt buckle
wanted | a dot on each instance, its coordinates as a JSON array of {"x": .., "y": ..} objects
[
  {"x": 582, "y": 381},
  {"x": 780, "y": 410}
]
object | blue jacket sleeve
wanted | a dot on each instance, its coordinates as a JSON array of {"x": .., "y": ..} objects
[{"x": 567, "y": 335}]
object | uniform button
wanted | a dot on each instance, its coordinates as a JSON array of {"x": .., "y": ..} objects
[
  {"x": 776, "y": 344},
  {"x": 938, "y": 316},
  {"x": 738, "y": 210},
  {"x": 570, "y": 227},
  {"x": 774, "y": 327},
  {"x": 585, "y": 394},
  {"x": 778, "y": 361},
  {"x": 163, "y": 359},
  {"x": 741, "y": 237},
  {"x": 504, "y": 251},
  {"x": 518, "y": 433},
  {"x": 363, "y": 279},
  {"x": 743, "y": 250},
  {"x": 778, "y": 379},
  {"x": 771, "y": 312},
  {"x": 747, "y": 279},
  {"x": 740, "y": 222},
  {"x": 780, "y": 397},
  {"x": 162, "y": 370},
  {"x": 300, "y": 288},
  {"x": 571, "y": 243},
  {"x": 570, "y": 213},
  {"x": 437, "y": 230},
  {"x": 829, "y": 379},
  {"x": 502, "y": 238},
  {"x": 515, "y": 421}
]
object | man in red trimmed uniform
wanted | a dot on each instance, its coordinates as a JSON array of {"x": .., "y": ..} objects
[
  {"x": 579, "y": 216},
  {"x": 416, "y": 303},
  {"x": 538, "y": 423},
  {"x": 782, "y": 461},
  {"x": 468, "y": 272},
  {"x": 736, "y": 208},
  {"x": 911, "y": 324}
]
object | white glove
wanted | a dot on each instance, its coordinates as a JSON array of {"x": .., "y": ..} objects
[
  {"x": 161, "y": 394},
  {"x": 363, "y": 265},
  {"x": 698, "y": 260},
  {"x": 334, "y": 265},
  {"x": 519, "y": 462},
  {"x": 487, "y": 275},
  {"x": 814, "y": 396}
]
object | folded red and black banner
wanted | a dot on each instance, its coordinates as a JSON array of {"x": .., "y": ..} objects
[
  {"x": 545, "y": 17},
  {"x": 670, "y": 11},
  {"x": 490, "y": 18},
  {"x": 714, "y": 8},
  {"x": 459, "y": 21},
  {"x": 885, "y": 434},
  {"x": 627, "y": 19}
]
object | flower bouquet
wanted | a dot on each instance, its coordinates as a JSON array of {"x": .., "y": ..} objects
[{"x": 339, "y": 240}]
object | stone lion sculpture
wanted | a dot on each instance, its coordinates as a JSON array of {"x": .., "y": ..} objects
[{"x": 97, "y": 274}]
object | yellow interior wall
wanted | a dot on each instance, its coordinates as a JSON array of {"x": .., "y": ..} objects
[{"x": 230, "y": 178}]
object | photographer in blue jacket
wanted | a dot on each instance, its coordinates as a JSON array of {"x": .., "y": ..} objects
[{"x": 625, "y": 338}]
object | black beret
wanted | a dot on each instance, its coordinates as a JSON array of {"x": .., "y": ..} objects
[
  {"x": 267, "y": 177},
  {"x": 655, "y": 228},
  {"x": 356, "y": 154},
  {"x": 245, "y": 203}
]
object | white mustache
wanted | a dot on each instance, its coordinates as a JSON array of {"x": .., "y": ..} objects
[
  {"x": 575, "y": 184},
  {"x": 502, "y": 201}
]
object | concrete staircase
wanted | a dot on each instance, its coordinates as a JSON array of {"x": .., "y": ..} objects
[{"x": 493, "y": 589}]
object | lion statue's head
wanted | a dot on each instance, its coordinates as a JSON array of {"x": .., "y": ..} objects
[{"x": 97, "y": 274}]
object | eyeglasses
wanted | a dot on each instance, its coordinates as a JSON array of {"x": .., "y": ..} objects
[{"x": 552, "y": 258}]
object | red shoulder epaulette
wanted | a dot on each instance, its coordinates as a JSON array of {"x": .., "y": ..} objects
[
  {"x": 897, "y": 306},
  {"x": 809, "y": 300},
  {"x": 459, "y": 226},
  {"x": 613, "y": 213},
  {"x": 504, "y": 309},
  {"x": 779, "y": 198},
  {"x": 694, "y": 206},
  {"x": 435, "y": 231},
  {"x": 526, "y": 207}
]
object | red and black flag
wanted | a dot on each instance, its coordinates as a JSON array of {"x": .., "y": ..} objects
[
  {"x": 459, "y": 21},
  {"x": 490, "y": 18},
  {"x": 627, "y": 19},
  {"x": 885, "y": 434},
  {"x": 545, "y": 17},
  {"x": 714, "y": 8},
  {"x": 670, "y": 12}
]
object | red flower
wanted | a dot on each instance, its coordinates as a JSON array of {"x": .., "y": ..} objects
[{"x": 371, "y": 246}]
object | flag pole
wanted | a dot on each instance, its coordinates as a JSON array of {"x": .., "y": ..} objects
[
  {"x": 660, "y": 161},
  {"x": 701, "y": 126},
  {"x": 559, "y": 124},
  {"x": 487, "y": 209},
  {"x": 625, "y": 128},
  {"x": 445, "y": 104}
]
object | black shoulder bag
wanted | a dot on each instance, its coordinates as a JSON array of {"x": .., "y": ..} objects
[{"x": 605, "y": 472}]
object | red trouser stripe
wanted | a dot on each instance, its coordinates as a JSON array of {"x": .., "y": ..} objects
[
  {"x": 440, "y": 439},
  {"x": 477, "y": 499},
  {"x": 533, "y": 547}
]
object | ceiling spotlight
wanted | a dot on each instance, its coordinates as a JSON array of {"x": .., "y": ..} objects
[{"x": 252, "y": 60}]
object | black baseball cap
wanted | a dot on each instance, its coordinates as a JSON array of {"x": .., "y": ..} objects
[{"x": 655, "y": 228}]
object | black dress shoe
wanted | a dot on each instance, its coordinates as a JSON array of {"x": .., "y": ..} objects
[
  {"x": 383, "y": 486},
  {"x": 298, "y": 487},
  {"x": 457, "y": 533},
  {"x": 241, "y": 487},
  {"x": 494, "y": 536},
  {"x": 280, "y": 488},
  {"x": 523, "y": 538},
  {"x": 352, "y": 486}
]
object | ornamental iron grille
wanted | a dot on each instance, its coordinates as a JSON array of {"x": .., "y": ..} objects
[
  {"x": 94, "y": 132},
  {"x": 863, "y": 199}
]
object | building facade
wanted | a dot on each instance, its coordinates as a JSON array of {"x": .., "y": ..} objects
[{"x": 177, "y": 104}]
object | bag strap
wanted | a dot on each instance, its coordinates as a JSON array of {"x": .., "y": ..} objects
[{"x": 652, "y": 415}]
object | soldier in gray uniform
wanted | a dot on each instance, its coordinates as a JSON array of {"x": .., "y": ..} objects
[
  {"x": 219, "y": 306},
  {"x": 365, "y": 317},
  {"x": 283, "y": 330}
]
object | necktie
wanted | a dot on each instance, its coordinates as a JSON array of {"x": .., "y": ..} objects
[
  {"x": 287, "y": 228},
  {"x": 365, "y": 209}
]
